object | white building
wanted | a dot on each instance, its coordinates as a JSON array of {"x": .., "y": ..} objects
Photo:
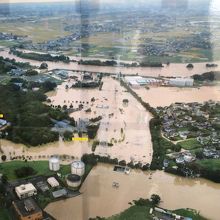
[
  {"x": 53, "y": 182},
  {"x": 181, "y": 82},
  {"x": 54, "y": 164},
  {"x": 25, "y": 191},
  {"x": 137, "y": 81}
]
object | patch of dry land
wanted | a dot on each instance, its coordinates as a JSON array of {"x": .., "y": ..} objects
[{"x": 165, "y": 96}]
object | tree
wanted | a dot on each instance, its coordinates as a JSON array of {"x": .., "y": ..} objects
[
  {"x": 3, "y": 157},
  {"x": 24, "y": 172},
  {"x": 155, "y": 199},
  {"x": 31, "y": 73},
  {"x": 67, "y": 135},
  {"x": 49, "y": 86},
  {"x": 44, "y": 66},
  {"x": 190, "y": 65}
]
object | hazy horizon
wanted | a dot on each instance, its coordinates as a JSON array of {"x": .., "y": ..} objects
[{"x": 32, "y": 1}]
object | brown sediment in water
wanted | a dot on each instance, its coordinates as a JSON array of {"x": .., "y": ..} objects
[
  {"x": 165, "y": 96},
  {"x": 174, "y": 69},
  {"x": 127, "y": 129},
  {"x": 99, "y": 198},
  {"x": 129, "y": 126}
]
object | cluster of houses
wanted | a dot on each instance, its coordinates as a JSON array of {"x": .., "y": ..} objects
[
  {"x": 149, "y": 46},
  {"x": 194, "y": 120},
  {"x": 175, "y": 45},
  {"x": 182, "y": 157},
  {"x": 211, "y": 152},
  {"x": 10, "y": 36}
]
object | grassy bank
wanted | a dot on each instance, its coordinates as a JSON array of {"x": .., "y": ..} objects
[
  {"x": 4, "y": 214},
  {"x": 41, "y": 168},
  {"x": 190, "y": 144}
]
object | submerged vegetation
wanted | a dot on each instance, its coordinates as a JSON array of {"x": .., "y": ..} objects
[
  {"x": 30, "y": 119},
  {"x": 7, "y": 65},
  {"x": 40, "y": 56}
]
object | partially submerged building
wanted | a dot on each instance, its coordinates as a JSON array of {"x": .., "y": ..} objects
[
  {"x": 138, "y": 81},
  {"x": 27, "y": 210},
  {"x": 182, "y": 82}
]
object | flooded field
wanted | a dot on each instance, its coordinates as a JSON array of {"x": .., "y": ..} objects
[
  {"x": 127, "y": 127},
  {"x": 165, "y": 96},
  {"x": 104, "y": 200},
  {"x": 173, "y": 69},
  {"x": 75, "y": 149}
]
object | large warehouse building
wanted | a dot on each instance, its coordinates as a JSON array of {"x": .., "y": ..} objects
[
  {"x": 188, "y": 82},
  {"x": 137, "y": 81}
]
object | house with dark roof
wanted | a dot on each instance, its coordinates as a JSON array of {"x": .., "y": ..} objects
[{"x": 27, "y": 210}]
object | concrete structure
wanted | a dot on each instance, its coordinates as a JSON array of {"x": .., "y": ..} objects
[
  {"x": 25, "y": 191},
  {"x": 73, "y": 180},
  {"x": 53, "y": 182},
  {"x": 59, "y": 193},
  {"x": 54, "y": 164},
  {"x": 78, "y": 168},
  {"x": 182, "y": 82},
  {"x": 27, "y": 210}
]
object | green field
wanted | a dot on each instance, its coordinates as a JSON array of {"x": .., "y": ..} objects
[
  {"x": 42, "y": 168},
  {"x": 134, "y": 212},
  {"x": 38, "y": 31},
  {"x": 4, "y": 214},
  {"x": 142, "y": 213},
  {"x": 7, "y": 43},
  {"x": 190, "y": 144},
  {"x": 209, "y": 164}
]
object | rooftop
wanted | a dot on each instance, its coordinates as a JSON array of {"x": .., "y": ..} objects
[
  {"x": 27, "y": 207},
  {"x": 25, "y": 188}
]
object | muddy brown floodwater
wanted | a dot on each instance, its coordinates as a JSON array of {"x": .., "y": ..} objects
[
  {"x": 174, "y": 69},
  {"x": 130, "y": 128},
  {"x": 169, "y": 95},
  {"x": 127, "y": 129},
  {"x": 99, "y": 198}
]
